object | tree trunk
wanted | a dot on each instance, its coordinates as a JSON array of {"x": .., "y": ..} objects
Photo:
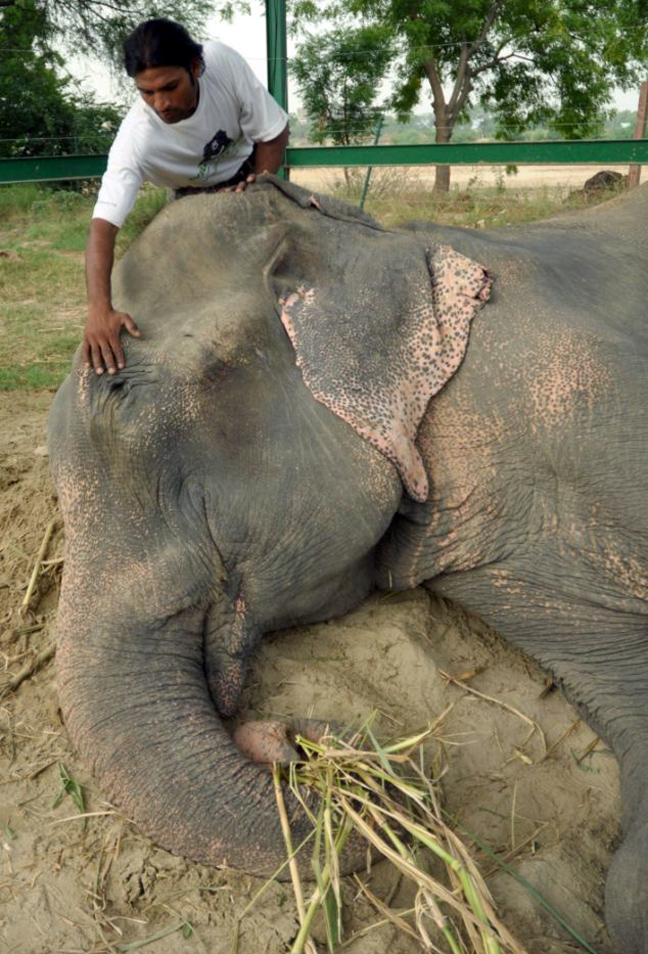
[
  {"x": 443, "y": 134},
  {"x": 443, "y": 121}
]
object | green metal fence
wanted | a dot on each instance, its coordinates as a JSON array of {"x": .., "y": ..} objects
[
  {"x": 608, "y": 151},
  {"x": 49, "y": 169},
  {"x": 589, "y": 152}
]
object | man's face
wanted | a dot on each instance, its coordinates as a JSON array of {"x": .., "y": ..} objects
[{"x": 170, "y": 91}]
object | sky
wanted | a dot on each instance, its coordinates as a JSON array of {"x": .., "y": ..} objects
[{"x": 247, "y": 34}]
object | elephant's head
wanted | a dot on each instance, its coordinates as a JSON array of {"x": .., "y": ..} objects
[{"x": 217, "y": 488}]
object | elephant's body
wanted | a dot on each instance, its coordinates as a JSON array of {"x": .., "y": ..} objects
[{"x": 209, "y": 497}]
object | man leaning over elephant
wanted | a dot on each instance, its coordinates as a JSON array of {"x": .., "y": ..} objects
[{"x": 203, "y": 123}]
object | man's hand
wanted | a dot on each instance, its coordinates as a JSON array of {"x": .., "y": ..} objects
[
  {"x": 240, "y": 186},
  {"x": 268, "y": 157},
  {"x": 101, "y": 345}
]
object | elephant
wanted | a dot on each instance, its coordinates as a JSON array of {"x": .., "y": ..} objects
[{"x": 319, "y": 406}]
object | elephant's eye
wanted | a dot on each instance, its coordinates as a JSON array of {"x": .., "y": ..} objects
[{"x": 215, "y": 371}]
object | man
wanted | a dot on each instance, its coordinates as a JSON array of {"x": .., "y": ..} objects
[{"x": 203, "y": 123}]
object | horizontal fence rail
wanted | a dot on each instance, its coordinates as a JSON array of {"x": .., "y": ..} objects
[
  {"x": 583, "y": 151},
  {"x": 587, "y": 151},
  {"x": 52, "y": 168}
]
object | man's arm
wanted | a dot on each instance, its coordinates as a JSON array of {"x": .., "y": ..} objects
[
  {"x": 101, "y": 345},
  {"x": 269, "y": 156}
]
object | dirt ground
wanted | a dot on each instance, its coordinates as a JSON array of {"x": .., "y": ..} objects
[{"x": 545, "y": 798}]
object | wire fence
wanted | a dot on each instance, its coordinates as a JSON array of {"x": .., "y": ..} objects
[
  {"x": 420, "y": 128},
  {"x": 420, "y": 122}
]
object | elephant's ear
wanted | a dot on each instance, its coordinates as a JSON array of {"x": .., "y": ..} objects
[{"x": 383, "y": 328}]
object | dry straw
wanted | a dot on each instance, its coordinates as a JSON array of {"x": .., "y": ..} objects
[{"x": 382, "y": 796}]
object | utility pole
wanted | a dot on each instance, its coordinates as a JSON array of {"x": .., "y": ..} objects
[{"x": 634, "y": 172}]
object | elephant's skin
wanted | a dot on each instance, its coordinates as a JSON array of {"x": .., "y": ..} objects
[{"x": 209, "y": 497}]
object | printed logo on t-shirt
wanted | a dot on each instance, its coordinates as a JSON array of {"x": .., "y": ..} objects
[{"x": 219, "y": 148}]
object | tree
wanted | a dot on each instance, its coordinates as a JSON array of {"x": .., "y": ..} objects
[
  {"x": 337, "y": 75},
  {"x": 527, "y": 61},
  {"x": 100, "y": 25},
  {"x": 41, "y": 113}
]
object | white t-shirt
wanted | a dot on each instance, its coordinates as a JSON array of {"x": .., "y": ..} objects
[{"x": 234, "y": 111}]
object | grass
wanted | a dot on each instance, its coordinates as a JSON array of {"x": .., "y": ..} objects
[
  {"x": 16, "y": 200},
  {"x": 43, "y": 234},
  {"x": 387, "y": 802},
  {"x": 70, "y": 786},
  {"x": 382, "y": 797},
  {"x": 42, "y": 284},
  {"x": 398, "y": 196}
]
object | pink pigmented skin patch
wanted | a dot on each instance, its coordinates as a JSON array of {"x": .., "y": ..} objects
[{"x": 433, "y": 299}]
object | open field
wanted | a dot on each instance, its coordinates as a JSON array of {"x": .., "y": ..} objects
[{"x": 560, "y": 177}]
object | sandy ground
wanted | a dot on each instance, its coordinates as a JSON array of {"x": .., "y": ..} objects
[{"x": 547, "y": 799}]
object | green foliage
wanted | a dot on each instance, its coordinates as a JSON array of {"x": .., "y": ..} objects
[
  {"x": 228, "y": 9},
  {"x": 552, "y": 63},
  {"x": 338, "y": 75},
  {"x": 40, "y": 111},
  {"x": 70, "y": 786},
  {"x": 100, "y": 25}
]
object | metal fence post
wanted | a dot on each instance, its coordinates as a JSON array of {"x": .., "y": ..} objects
[
  {"x": 367, "y": 179},
  {"x": 277, "y": 55}
]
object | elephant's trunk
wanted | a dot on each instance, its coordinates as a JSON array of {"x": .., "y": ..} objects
[
  {"x": 137, "y": 708},
  {"x": 626, "y": 889}
]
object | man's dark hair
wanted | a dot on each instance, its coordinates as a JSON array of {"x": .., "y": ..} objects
[{"x": 160, "y": 42}]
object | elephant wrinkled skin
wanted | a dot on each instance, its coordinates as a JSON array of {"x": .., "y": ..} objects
[{"x": 256, "y": 465}]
